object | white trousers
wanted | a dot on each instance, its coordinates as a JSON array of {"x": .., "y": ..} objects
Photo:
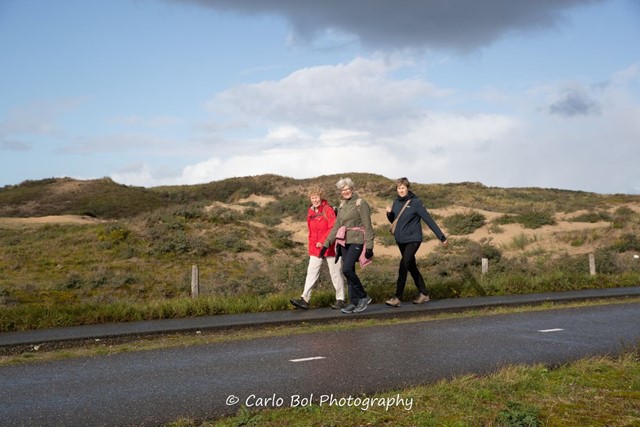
[{"x": 313, "y": 272}]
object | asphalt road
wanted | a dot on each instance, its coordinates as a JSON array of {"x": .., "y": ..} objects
[{"x": 155, "y": 387}]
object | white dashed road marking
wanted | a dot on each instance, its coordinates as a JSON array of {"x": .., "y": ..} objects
[
  {"x": 307, "y": 359},
  {"x": 550, "y": 330}
]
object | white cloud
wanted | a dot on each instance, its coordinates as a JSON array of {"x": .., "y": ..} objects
[
  {"x": 359, "y": 94},
  {"x": 576, "y": 151},
  {"x": 406, "y": 139},
  {"x": 349, "y": 117},
  {"x": 429, "y": 152},
  {"x": 296, "y": 163},
  {"x": 627, "y": 76},
  {"x": 145, "y": 175},
  {"x": 304, "y": 127}
]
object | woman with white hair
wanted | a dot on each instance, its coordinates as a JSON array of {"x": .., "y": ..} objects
[{"x": 353, "y": 234}]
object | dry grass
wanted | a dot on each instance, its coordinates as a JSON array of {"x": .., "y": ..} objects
[{"x": 95, "y": 244}]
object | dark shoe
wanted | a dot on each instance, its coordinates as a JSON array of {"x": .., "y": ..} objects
[
  {"x": 421, "y": 298},
  {"x": 393, "y": 302},
  {"x": 338, "y": 304},
  {"x": 300, "y": 303},
  {"x": 349, "y": 309},
  {"x": 362, "y": 304}
]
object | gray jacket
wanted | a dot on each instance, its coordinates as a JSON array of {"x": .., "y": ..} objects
[{"x": 352, "y": 215}]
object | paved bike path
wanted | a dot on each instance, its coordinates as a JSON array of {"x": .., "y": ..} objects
[{"x": 318, "y": 315}]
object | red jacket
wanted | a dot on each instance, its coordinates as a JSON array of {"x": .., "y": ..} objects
[{"x": 320, "y": 221}]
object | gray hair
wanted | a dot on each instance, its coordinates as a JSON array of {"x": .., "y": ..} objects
[{"x": 345, "y": 182}]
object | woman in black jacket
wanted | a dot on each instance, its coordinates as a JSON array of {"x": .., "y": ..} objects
[{"x": 408, "y": 212}]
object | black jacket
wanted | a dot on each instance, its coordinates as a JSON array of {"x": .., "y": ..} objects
[{"x": 409, "y": 228}]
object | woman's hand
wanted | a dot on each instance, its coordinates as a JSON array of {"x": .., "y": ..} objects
[{"x": 322, "y": 251}]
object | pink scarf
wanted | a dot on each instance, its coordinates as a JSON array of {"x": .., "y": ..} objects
[{"x": 341, "y": 239}]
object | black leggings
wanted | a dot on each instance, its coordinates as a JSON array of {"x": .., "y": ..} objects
[
  {"x": 350, "y": 255},
  {"x": 408, "y": 264}
]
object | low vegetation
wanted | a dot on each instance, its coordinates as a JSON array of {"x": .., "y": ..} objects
[
  {"x": 130, "y": 254},
  {"x": 464, "y": 223}
]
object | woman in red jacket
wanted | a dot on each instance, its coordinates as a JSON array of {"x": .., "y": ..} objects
[{"x": 320, "y": 220}]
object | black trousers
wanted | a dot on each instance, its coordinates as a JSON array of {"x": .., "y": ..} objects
[
  {"x": 350, "y": 255},
  {"x": 408, "y": 264}
]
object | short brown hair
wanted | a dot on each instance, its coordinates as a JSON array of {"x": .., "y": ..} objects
[{"x": 403, "y": 181}]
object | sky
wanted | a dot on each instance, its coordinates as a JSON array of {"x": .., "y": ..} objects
[{"x": 529, "y": 93}]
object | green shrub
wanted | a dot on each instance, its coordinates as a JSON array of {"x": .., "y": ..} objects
[
  {"x": 383, "y": 236},
  {"x": 464, "y": 223},
  {"x": 530, "y": 218},
  {"x": 495, "y": 229},
  {"x": 198, "y": 245},
  {"x": 627, "y": 242},
  {"x": 536, "y": 219},
  {"x": 73, "y": 281},
  {"x": 623, "y": 216},
  {"x": 113, "y": 234},
  {"x": 458, "y": 263},
  {"x": 506, "y": 219},
  {"x": 592, "y": 217},
  {"x": 606, "y": 262},
  {"x": 219, "y": 215},
  {"x": 282, "y": 240},
  {"x": 520, "y": 241},
  {"x": 170, "y": 243},
  {"x": 579, "y": 237},
  {"x": 519, "y": 415},
  {"x": 624, "y": 212},
  {"x": 435, "y": 196},
  {"x": 229, "y": 242}
]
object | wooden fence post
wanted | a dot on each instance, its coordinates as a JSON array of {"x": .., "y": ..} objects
[
  {"x": 195, "y": 285},
  {"x": 592, "y": 264},
  {"x": 485, "y": 265}
]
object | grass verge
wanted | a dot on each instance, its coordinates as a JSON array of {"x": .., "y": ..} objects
[{"x": 597, "y": 391}]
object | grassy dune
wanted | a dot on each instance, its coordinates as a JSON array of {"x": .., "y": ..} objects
[{"x": 77, "y": 252}]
